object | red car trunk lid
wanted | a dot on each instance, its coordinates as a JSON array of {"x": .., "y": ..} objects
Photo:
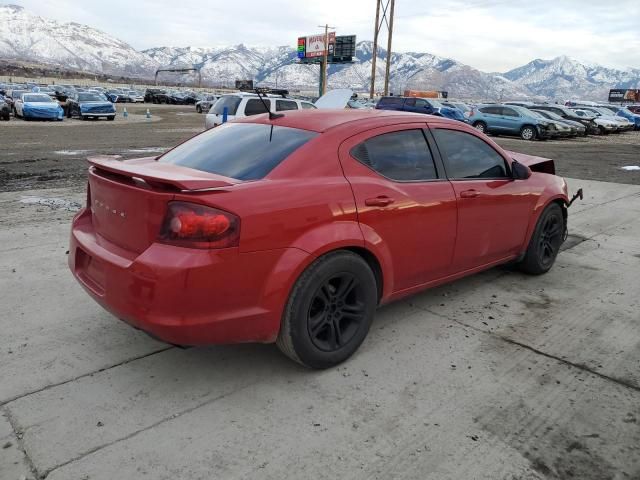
[{"x": 129, "y": 199}]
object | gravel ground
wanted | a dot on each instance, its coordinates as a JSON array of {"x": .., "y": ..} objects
[{"x": 51, "y": 154}]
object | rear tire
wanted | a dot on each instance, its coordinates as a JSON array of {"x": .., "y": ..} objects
[
  {"x": 329, "y": 311},
  {"x": 545, "y": 242},
  {"x": 528, "y": 133}
]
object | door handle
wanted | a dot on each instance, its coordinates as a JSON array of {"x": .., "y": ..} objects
[
  {"x": 379, "y": 201},
  {"x": 469, "y": 193}
]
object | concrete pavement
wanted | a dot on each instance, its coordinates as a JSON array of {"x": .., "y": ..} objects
[{"x": 497, "y": 376}]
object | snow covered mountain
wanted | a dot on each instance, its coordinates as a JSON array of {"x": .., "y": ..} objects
[
  {"x": 24, "y": 36},
  {"x": 565, "y": 77},
  {"x": 27, "y": 37}
]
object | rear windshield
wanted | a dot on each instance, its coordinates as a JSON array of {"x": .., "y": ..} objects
[
  {"x": 245, "y": 151},
  {"x": 229, "y": 101}
]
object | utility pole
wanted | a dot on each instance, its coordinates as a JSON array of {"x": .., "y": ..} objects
[
  {"x": 387, "y": 7},
  {"x": 323, "y": 65},
  {"x": 375, "y": 51}
]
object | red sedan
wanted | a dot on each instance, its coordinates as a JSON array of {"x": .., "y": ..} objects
[{"x": 294, "y": 229}]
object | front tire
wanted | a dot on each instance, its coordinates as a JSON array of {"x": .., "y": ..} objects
[
  {"x": 480, "y": 126},
  {"x": 545, "y": 242},
  {"x": 329, "y": 311},
  {"x": 528, "y": 133}
]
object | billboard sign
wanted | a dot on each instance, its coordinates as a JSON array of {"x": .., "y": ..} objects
[
  {"x": 620, "y": 95},
  {"x": 313, "y": 46}
]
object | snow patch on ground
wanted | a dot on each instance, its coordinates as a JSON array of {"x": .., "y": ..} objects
[
  {"x": 631, "y": 168},
  {"x": 147, "y": 150},
  {"x": 53, "y": 203},
  {"x": 71, "y": 153}
]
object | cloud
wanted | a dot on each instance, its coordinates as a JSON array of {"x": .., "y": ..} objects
[{"x": 492, "y": 35}]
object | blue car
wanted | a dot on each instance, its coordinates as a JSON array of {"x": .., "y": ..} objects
[
  {"x": 511, "y": 120},
  {"x": 38, "y": 106},
  {"x": 427, "y": 106},
  {"x": 629, "y": 115},
  {"x": 86, "y": 105}
]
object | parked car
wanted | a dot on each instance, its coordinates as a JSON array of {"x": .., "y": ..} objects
[
  {"x": 569, "y": 114},
  {"x": 150, "y": 93},
  {"x": 511, "y": 120},
  {"x": 623, "y": 123},
  {"x": 11, "y": 97},
  {"x": 205, "y": 104},
  {"x": 135, "y": 97},
  {"x": 632, "y": 117},
  {"x": 244, "y": 104},
  {"x": 578, "y": 128},
  {"x": 604, "y": 125},
  {"x": 427, "y": 106},
  {"x": 87, "y": 105},
  {"x": 38, "y": 106},
  {"x": 634, "y": 108},
  {"x": 5, "y": 109},
  {"x": 224, "y": 241},
  {"x": 463, "y": 107},
  {"x": 560, "y": 129}
]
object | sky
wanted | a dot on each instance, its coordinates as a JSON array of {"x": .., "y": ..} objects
[{"x": 491, "y": 35}]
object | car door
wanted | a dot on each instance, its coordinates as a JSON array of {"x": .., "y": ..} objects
[
  {"x": 493, "y": 209},
  {"x": 510, "y": 119},
  {"x": 404, "y": 203},
  {"x": 492, "y": 116}
]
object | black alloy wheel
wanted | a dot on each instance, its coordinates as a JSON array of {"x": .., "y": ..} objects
[
  {"x": 545, "y": 242},
  {"x": 329, "y": 310},
  {"x": 336, "y": 312}
]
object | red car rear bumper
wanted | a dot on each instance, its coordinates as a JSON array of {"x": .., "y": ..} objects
[{"x": 186, "y": 296}]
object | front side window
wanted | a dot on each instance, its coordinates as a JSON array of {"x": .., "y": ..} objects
[
  {"x": 403, "y": 155},
  {"x": 255, "y": 106},
  {"x": 283, "y": 105},
  {"x": 307, "y": 105},
  {"x": 218, "y": 150},
  {"x": 467, "y": 156}
]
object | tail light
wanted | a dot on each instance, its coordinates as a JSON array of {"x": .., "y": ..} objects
[{"x": 196, "y": 226}]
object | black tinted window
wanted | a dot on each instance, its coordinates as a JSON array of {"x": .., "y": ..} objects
[
  {"x": 397, "y": 101},
  {"x": 229, "y": 101},
  {"x": 491, "y": 110},
  {"x": 260, "y": 149},
  {"x": 282, "y": 105},
  {"x": 402, "y": 155},
  {"x": 467, "y": 156},
  {"x": 255, "y": 106}
]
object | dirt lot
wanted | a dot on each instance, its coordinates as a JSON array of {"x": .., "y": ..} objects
[
  {"x": 499, "y": 376},
  {"x": 48, "y": 155}
]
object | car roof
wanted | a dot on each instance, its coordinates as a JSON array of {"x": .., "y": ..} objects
[{"x": 321, "y": 120}]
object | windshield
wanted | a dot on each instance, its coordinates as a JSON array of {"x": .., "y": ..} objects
[
  {"x": 90, "y": 97},
  {"x": 219, "y": 150},
  {"x": 434, "y": 103},
  {"x": 555, "y": 116},
  {"x": 229, "y": 101},
  {"x": 37, "y": 98},
  {"x": 537, "y": 114}
]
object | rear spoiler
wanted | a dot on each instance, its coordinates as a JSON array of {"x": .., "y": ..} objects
[
  {"x": 165, "y": 175},
  {"x": 536, "y": 164}
]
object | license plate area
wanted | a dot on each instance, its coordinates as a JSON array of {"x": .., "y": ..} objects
[{"x": 90, "y": 271}]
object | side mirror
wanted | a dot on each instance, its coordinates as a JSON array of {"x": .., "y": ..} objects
[{"x": 520, "y": 171}]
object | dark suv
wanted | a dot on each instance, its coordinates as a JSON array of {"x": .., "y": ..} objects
[{"x": 428, "y": 106}]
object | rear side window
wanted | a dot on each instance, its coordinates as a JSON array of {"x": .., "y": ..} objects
[
  {"x": 402, "y": 155},
  {"x": 255, "y": 106},
  {"x": 229, "y": 101},
  {"x": 509, "y": 112},
  {"x": 245, "y": 151},
  {"x": 388, "y": 101},
  {"x": 283, "y": 105},
  {"x": 467, "y": 156},
  {"x": 491, "y": 110}
]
